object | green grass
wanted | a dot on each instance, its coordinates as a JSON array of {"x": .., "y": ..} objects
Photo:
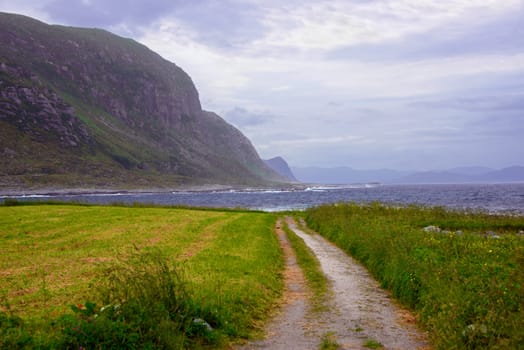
[
  {"x": 54, "y": 256},
  {"x": 467, "y": 288},
  {"x": 373, "y": 344},
  {"x": 329, "y": 342},
  {"x": 310, "y": 265}
]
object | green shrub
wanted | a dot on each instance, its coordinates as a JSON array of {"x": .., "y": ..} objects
[
  {"x": 146, "y": 305},
  {"x": 13, "y": 333}
]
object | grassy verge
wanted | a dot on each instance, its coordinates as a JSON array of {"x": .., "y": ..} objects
[
  {"x": 310, "y": 265},
  {"x": 223, "y": 269},
  {"x": 466, "y": 282}
]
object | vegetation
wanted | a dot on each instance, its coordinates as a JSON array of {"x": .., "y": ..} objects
[
  {"x": 310, "y": 265},
  {"x": 372, "y": 344},
  {"x": 466, "y": 281},
  {"x": 86, "y": 276},
  {"x": 329, "y": 342},
  {"x": 111, "y": 277}
]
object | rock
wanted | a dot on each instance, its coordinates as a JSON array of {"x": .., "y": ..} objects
[
  {"x": 475, "y": 330},
  {"x": 491, "y": 234},
  {"x": 432, "y": 229},
  {"x": 459, "y": 233},
  {"x": 202, "y": 323}
]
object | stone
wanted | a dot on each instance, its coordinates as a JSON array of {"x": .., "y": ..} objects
[
  {"x": 432, "y": 229},
  {"x": 491, "y": 234},
  {"x": 203, "y": 324}
]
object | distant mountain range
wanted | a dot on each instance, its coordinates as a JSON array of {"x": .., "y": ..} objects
[
  {"x": 344, "y": 175},
  {"x": 86, "y": 108}
]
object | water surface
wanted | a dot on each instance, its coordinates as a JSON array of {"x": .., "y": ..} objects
[{"x": 490, "y": 197}]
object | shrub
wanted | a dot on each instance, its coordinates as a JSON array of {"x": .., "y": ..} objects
[
  {"x": 145, "y": 305},
  {"x": 13, "y": 334}
]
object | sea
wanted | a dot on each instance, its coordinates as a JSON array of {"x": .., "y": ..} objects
[{"x": 493, "y": 198}]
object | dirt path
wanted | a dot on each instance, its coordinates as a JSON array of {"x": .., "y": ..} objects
[
  {"x": 364, "y": 313},
  {"x": 361, "y": 314},
  {"x": 289, "y": 328}
]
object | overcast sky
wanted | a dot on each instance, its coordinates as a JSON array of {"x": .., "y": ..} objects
[{"x": 402, "y": 84}]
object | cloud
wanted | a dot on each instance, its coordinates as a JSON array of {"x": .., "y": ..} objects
[
  {"x": 491, "y": 35},
  {"x": 26, "y": 7},
  {"x": 315, "y": 141},
  {"x": 505, "y": 103},
  {"x": 102, "y": 13},
  {"x": 333, "y": 24},
  {"x": 243, "y": 118},
  {"x": 376, "y": 83},
  {"x": 224, "y": 24}
]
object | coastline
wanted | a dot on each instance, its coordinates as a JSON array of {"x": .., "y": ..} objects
[{"x": 65, "y": 191}]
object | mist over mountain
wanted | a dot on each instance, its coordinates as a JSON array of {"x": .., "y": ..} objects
[
  {"x": 84, "y": 107},
  {"x": 345, "y": 175}
]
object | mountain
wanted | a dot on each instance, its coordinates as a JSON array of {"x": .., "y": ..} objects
[
  {"x": 345, "y": 175},
  {"x": 472, "y": 170},
  {"x": 279, "y": 165},
  {"x": 509, "y": 174},
  {"x": 86, "y": 108},
  {"x": 433, "y": 177},
  {"x": 466, "y": 175}
]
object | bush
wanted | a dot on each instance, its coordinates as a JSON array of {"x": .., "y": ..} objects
[
  {"x": 13, "y": 334},
  {"x": 146, "y": 305}
]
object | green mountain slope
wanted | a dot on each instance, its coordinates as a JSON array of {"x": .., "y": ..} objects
[{"x": 83, "y": 107}]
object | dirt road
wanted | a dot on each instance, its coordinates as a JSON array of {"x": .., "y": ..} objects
[{"x": 361, "y": 315}]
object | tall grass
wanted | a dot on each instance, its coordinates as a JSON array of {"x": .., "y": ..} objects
[{"x": 467, "y": 287}]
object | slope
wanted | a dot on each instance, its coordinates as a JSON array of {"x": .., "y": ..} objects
[{"x": 84, "y": 107}]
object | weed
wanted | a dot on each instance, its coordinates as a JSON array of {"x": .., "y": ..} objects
[
  {"x": 373, "y": 344},
  {"x": 329, "y": 341}
]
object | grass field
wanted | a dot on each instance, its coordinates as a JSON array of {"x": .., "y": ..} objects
[
  {"x": 76, "y": 276},
  {"x": 55, "y": 256},
  {"x": 466, "y": 282}
]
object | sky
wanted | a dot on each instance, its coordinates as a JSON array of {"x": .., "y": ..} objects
[{"x": 368, "y": 84}]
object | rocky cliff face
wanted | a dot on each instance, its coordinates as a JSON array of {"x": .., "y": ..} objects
[
  {"x": 38, "y": 111},
  {"x": 101, "y": 105}
]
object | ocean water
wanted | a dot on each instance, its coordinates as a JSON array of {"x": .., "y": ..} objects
[{"x": 489, "y": 197}]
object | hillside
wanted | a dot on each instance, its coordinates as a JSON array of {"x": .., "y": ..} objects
[
  {"x": 86, "y": 108},
  {"x": 279, "y": 165}
]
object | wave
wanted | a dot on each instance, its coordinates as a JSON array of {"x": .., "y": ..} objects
[
  {"x": 28, "y": 196},
  {"x": 323, "y": 188}
]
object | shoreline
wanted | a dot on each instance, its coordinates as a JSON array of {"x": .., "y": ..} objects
[{"x": 67, "y": 191}]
